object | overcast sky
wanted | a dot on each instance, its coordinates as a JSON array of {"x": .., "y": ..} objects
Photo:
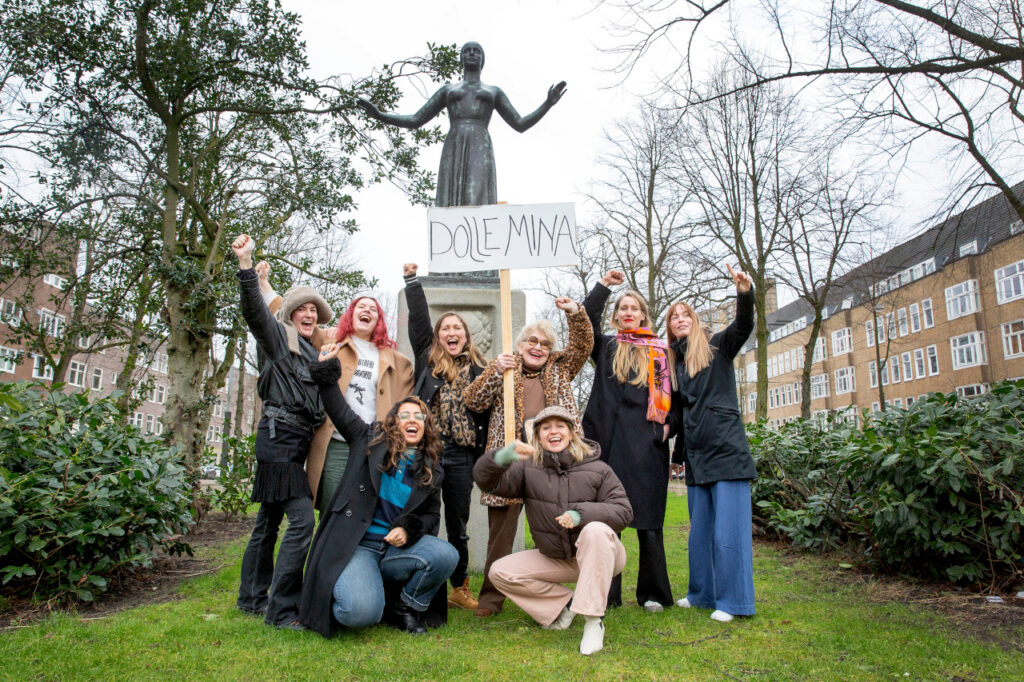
[{"x": 529, "y": 45}]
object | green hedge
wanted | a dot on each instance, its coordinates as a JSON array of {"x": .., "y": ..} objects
[
  {"x": 936, "y": 490},
  {"x": 84, "y": 497}
]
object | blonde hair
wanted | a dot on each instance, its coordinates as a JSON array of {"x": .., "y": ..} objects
[
  {"x": 542, "y": 326},
  {"x": 577, "y": 448},
  {"x": 442, "y": 362},
  {"x": 698, "y": 344},
  {"x": 630, "y": 360}
]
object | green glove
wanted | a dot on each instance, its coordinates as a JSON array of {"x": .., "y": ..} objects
[
  {"x": 576, "y": 518},
  {"x": 506, "y": 456}
]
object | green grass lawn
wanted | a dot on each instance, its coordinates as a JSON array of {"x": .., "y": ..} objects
[{"x": 808, "y": 626}]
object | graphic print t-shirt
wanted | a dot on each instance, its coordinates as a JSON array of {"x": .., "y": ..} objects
[{"x": 361, "y": 394}]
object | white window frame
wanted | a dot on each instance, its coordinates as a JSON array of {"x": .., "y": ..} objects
[
  {"x": 77, "y": 373},
  {"x": 932, "y": 355},
  {"x": 819, "y": 386},
  {"x": 97, "y": 378},
  {"x": 10, "y": 312},
  {"x": 1013, "y": 339},
  {"x": 908, "y": 365},
  {"x": 842, "y": 341},
  {"x": 971, "y": 390},
  {"x": 820, "y": 350},
  {"x": 55, "y": 281},
  {"x": 872, "y": 374},
  {"x": 1009, "y": 282},
  {"x": 846, "y": 380},
  {"x": 927, "y": 313},
  {"x": 920, "y": 364},
  {"x": 968, "y": 350},
  {"x": 962, "y": 299},
  {"x": 9, "y": 360},
  {"x": 51, "y": 323},
  {"x": 968, "y": 248},
  {"x": 903, "y": 322},
  {"x": 915, "y": 318},
  {"x": 40, "y": 369},
  {"x": 894, "y": 369}
]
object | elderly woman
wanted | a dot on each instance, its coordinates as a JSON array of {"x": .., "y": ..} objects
[
  {"x": 628, "y": 415},
  {"x": 380, "y": 525},
  {"x": 542, "y": 377},
  {"x": 373, "y": 376},
  {"x": 576, "y": 506},
  {"x": 291, "y": 411},
  {"x": 719, "y": 466},
  {"x": 446, "y": 362}
]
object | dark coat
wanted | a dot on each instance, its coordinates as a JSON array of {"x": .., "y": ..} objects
[
  {"x": 714, "y": 443},
  {"x": 557, "y": 485},
  {"x": 616, "y": 417},
  {"x": 421, "y": 337},
  {"x": 350, "y": 512},
  {"x": 284, "y": 384}
]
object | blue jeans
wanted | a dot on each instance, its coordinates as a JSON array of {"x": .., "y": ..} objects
[
  {"x": 358, "y": 599},
  {"x": 721, "y": 547}
]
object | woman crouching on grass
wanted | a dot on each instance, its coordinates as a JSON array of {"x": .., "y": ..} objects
[
  {"x": 380, "y": 525},
  {"x": 575, "y": 506}
]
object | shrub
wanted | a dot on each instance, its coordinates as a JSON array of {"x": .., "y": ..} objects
[
  {"x": 934, "y": 490},
  {"x": 236, "y": 472},
  {"x": 84, "y": 498}
]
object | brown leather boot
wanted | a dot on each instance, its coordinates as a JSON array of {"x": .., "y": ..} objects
[{"x": 461, "y": 597}]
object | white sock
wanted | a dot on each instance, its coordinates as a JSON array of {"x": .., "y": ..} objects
[
  {"x": 651, "y": 606},
  {"x": 562, "y": 622},
  {"x": 683, "y": 603},
  {"x": 593, "y": 636},
  {"x": 721, "y": 616}
]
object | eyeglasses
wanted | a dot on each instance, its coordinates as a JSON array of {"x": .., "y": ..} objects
[
  {"x": 418, "y": 416},
  {"x": 540, "y": 343}
]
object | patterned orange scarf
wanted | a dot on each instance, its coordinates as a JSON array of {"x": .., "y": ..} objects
[{"x": 659, "y": 383}]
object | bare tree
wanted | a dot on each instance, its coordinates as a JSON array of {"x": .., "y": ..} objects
[{"x": 951, "y": 70}]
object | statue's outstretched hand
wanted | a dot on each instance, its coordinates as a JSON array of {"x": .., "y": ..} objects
[{"x": 555, "y": 93}]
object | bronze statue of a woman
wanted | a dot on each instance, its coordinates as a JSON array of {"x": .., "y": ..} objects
[{"x": 467, "y": 175}]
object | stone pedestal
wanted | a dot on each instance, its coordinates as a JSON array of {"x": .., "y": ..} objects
[{"x": 479, "y": 306}]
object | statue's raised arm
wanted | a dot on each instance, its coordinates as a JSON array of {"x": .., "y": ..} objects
[{"x": 466, "y": 176}]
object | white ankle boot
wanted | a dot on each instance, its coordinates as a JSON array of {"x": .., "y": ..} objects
[
  {"x": 563, "y": 621},
  {"x": 721, "y": 616},
  {"x": 593, "y": 636},
  {"x": 683, "y": 603}
]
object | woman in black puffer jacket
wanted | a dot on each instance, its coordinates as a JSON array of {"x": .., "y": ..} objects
[{"x": 575, "y": 506}]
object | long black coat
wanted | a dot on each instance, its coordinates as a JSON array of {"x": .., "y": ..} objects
[
  {"x": 350, "y": 513},
  {"x": 714, "y": 443},
  {"x": 421, "y": 337},
  {"x": 616, "y": 417}
]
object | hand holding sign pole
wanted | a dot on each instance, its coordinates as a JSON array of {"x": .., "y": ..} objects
[{"x": 502, "y": 237}]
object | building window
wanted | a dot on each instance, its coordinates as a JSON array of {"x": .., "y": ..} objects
[
  {"x": 961, "y": 299},
  {"x": 1013, "y": 339},
  {"x": 158, "y": 395},
  {"x": 1010, "y": 282},
  {"x": 890, "y": 324},
  {"x": 933, "y": 360},
  {"x": 970, "y": 390},
  {"x": 872, "y": 374},
  {"x": 819, "y": 350},
  {"x": 968, "y": 350},
  {"x": 846, "y": 381},
  {"x": 819, "y": 386},
  {"x": 926, "y": 313},
  {"x": 910, "y": 401},
  {"x": 904, "y": 324},
  {"x": 113, "y": 378},
  {"x": 10, "y": 312},
  {"x": 869, "y": 329},
  {"x": 51, "y": 323},
  {"x": 908, "y": 366},
  {"x": 55, "y": 281},
  {"x": 218, "y": 408},
  {"x": 897, "y": 402},
  {"x": 969, "y": 248},
  {"x": 8, "y": 359},
  {"x": 1016, "y": 226},
  {"x": 135, "y": 419},
  {"x": 77, "y": 373},
  {"x": 41, "y": 369},
  {"x": 919, "y": 365},
  {"x": 97, "y": 378},
  {"x": 915, "y": 317},
  {"x": 160, "y": 363},
  {"x": 149, "y": 423},
  {"x": 752, "y": 403},
  {"x": 894, "y": 369},
  {"x": 842, "y": 341}
]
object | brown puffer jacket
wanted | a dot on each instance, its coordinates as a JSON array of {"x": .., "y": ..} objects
[{"x": 557, "y": 485}]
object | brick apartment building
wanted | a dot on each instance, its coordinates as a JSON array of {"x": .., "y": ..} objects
[
  {"x": 96, "y": 369},
  {"x": 943, "y": 311}
]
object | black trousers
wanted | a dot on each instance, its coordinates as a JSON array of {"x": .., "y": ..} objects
[
  {"x": 652, "y": 578},
  {"x": 457, "y": 493},
  {"x": 282, "y": 580}
]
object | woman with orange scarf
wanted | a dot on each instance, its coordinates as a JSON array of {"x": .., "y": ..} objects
[{"x": 628, "y": 414}]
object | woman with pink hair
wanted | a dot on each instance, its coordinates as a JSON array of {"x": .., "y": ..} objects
[{"x": 373, "y": 376}]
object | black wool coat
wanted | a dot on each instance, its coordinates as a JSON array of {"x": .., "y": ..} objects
[
  {"x": 714, "y": 443},
  {"x": 616, "y": 417},
  {"x": 350, "y": 513},
  {"x": 421, "y": 337}
]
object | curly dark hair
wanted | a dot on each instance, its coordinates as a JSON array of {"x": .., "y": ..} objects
[{"x": 428, "y": 449}]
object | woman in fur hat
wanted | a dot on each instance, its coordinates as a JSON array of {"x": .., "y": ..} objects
[{"x": 291, "y": 412}]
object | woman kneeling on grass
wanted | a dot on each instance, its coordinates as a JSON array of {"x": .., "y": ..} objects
[
  {"x": 575, "y": 506},
  {"x": 379, "y": 526}
]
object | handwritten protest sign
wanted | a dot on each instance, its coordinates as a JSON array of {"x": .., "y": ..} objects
[{"x": 502, "y": 236}]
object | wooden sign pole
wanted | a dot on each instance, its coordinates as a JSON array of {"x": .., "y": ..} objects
[{"x": 506, "y": 347}]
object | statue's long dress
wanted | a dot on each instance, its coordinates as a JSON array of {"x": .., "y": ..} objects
[{"x": 466, "y": 176}]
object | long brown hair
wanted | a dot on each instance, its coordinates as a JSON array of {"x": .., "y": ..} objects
[
  {"x": 429, "y": 447},
  {"x": 698, "y": 341},
  {"x": 442, "y": 363}
]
